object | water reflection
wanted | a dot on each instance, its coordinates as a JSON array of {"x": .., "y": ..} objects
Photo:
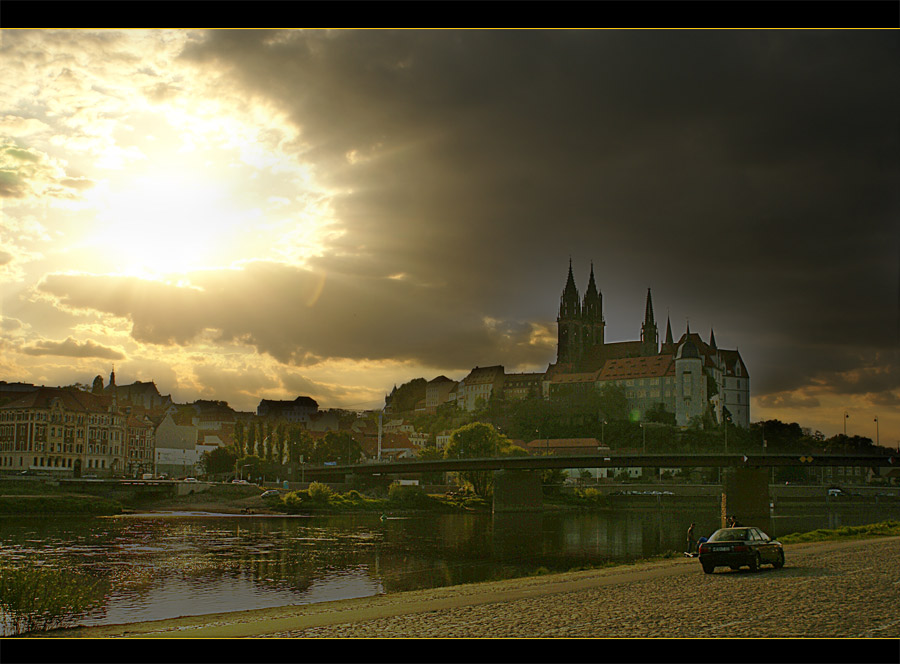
[{"x": 167, "y": 567}]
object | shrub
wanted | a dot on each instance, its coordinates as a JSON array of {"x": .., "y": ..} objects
[
  {"x": 590, "y": 495},
  {"x": 319, "y": 493},
  {"x": 294, "y": 500},
  {"x": 407, "y": 495},
  {"x": 39, "y": 599}
]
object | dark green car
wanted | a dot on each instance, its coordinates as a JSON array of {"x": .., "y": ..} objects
[{"x": 740, "y": 547}]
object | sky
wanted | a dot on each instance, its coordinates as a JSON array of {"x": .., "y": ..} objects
[{"x": 249, "y": 214}]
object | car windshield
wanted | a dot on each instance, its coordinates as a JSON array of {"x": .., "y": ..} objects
[{"x": 730, "y": 535}]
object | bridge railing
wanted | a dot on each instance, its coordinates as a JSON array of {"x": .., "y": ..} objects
[{"x": 608, "y": 460}]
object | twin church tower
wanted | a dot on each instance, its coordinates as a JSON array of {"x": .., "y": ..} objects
[{"x": 581, "y": 341}]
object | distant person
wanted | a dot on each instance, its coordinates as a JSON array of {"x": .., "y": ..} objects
[
  {"x": 690, "y": 540},
  {"x": 732, "y": 522}
]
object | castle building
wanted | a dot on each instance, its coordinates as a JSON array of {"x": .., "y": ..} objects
[{"x": 690, "y": 378}]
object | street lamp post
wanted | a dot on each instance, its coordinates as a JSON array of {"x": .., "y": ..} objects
[
  {"x": 876, "y": 432},
  {"x": 846, "y": 416}
]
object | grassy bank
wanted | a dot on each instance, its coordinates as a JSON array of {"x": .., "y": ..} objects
[
  {"x": 54, "y": 505},
  {"x": 881, "y": 529}
]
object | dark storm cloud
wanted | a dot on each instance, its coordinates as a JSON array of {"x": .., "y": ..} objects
[
  {"x": 73, "y": 348},
  {"x": 751, "y": 174},
  {"x": 296, "y": 316}
]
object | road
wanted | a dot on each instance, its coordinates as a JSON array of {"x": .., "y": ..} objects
[{"x": 830, "y": 589}]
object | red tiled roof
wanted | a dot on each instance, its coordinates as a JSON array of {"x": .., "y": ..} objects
[
  {"x": 638, "y": 367},
  {"x": 575, "y": 377},
  {"x": 484, "y": 374}
]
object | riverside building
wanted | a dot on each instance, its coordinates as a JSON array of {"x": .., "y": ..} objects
[{"x": 64, "y": 432}]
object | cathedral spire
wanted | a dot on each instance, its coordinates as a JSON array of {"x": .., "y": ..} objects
[
  {"x": 648, "y": 310},
  {"x": 592, "y": 316},
  {"x": 569, "y": 342},
  {"x": 668, "y": 331},
  {"x": 712, "y": 339},
  {"x": 649, "y": 333},
  {"x": 569, "y": 306},
  {"x": 592, "y": 310}
]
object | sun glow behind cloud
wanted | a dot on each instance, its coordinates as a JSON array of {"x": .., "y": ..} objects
[
  {"x": 170, "y": 222},
  {"x": 329, "y": 212}
]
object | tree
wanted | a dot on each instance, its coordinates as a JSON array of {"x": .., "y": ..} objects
[
  {"x": 781, "y": 437},
  {"x": 613, "y": 402},
  {"x": 339, "y": 446},
  {"x": 279, "y": 443},
  {"x": 299, "y": 444},
  {"x": 220, "y": 460},
  {"x": 431, "y": 453},
  {"x": 477, "y": 441},
  {"x": 658, "y": 413},
  {"x": 842, "y": 444},
  {"x": 240, "y": 435},
  {"x": 250, "y": 446},
  {"x": 254, "y": 466}
]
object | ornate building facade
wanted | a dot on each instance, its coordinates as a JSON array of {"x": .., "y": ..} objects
[{"x": 689, "y": 378}]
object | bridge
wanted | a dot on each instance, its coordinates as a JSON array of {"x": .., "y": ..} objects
[
  {"x": 604, "y": 461},
  {"x": 517, "y": 487}
]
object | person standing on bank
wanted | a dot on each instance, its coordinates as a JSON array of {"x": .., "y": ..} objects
[{"x": 690, "y": 540}]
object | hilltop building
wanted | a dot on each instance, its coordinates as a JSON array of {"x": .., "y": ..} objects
[{"x": 690, "y": 378}]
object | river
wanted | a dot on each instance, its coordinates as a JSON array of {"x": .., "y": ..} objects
[{"x": 162, "y": 565}]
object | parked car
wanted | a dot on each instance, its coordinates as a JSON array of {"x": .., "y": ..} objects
[
  {"x": 190, "y": 479},
  {"x": 240, "y": 482},
  {"x": 740, "y": 547},
  {"x": 270, "y": 492}
]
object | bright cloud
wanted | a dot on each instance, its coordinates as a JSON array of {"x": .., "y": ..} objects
[{"x": 240, "y": 213}]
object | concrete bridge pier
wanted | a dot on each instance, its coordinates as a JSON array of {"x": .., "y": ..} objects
[
  {"x": 518, "y": 491},
  {"x": 746, "y": 497}
]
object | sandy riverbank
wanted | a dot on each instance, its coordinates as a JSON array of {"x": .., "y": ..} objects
[{"x": 643, "y": 599}]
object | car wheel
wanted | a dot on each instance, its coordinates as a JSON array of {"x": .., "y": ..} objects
[
  {"x": 779, "y": 561},
  {"x": 708, "y": 568},
  {"x": 754, "y": 564}
]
